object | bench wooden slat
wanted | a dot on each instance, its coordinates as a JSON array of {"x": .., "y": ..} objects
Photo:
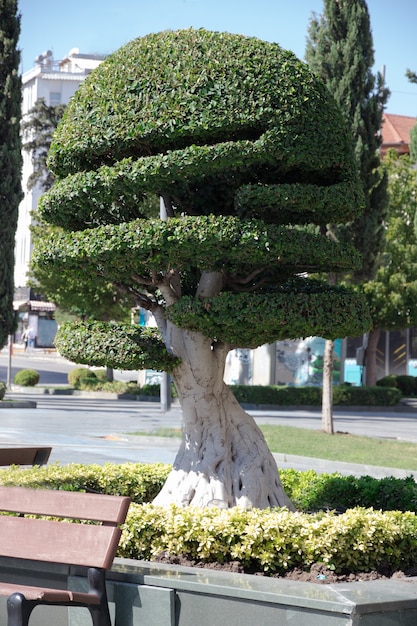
[
  {"x": 69, "y": 504},
  {"x": 58, "y": 542},
  {"x": 47, "y": 594},
  {"x": 25, "y": 456}
]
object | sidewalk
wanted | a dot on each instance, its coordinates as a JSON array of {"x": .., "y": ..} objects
[
  {"x": 99, "y": 430},
  {"x": 19, "y": 349}
]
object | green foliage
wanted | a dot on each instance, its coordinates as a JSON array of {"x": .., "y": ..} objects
[
  {"x": 78, "y": 374},
  {"x": 121, "y": 346},
  {"x": 107, "y": 386},
  {"x": 316, "y": 309},
  {"x": 412, "y": 77},
  {"x": 200, "y": 119},
  {"x": 101, "y": 374},
  {"x": 285, "y": 203},
  {"x": 27, "y": 378},
  {"x": 139, "y": 481},
  {"x": 271, "y": 394},
  {"x": 406, "y": 384},
  {"x": 10, "y": 158},
  {"x": 310, "y": 491},
  {"x": 413, "y": 144},
  {"x": 3, "y": 389},
  {"x": 297, "y": 396},
  {"x": 340, "y": 51},
  {"x": 273, "y": 540},
  {"x": 224, "y": 243},
  {"x": 366, "y": 396},
  {"x": 388, "y": 381},
  {"x": 38, "y": 128},
  {"x": 195, "y": 88},
  {"x": 91, "y": 297},
  {"x": 393, "y": 294},
  {"x": 155, "y": 391}
]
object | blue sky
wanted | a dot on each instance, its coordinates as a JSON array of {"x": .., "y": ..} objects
[{"x": 102, "y": 26}]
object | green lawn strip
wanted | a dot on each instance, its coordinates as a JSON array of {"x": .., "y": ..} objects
[
  {"x": 341, "y": 447},
  {"x": 338, "y": 447}
]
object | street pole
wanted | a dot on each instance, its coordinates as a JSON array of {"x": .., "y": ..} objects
[
  {"x": 165, "y": 386},
  {"x": 9, "y": 364}
]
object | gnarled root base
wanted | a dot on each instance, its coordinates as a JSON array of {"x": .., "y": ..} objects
[{"x": 223, "y": 461}]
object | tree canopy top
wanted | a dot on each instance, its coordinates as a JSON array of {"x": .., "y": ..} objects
[{"x": 179, "y": 108}]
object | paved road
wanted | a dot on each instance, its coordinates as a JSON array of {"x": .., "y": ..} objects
[
  {"x": 95, "y": 430},
  {"x": 84, "y": 430}
]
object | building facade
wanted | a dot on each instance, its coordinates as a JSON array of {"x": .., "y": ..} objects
[{"x": 55, "y": 82}]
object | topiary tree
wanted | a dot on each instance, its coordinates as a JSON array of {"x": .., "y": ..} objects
[{"x": 251, "y": 155}]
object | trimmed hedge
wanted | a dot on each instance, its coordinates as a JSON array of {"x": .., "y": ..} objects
[
  {"x": 291, "y": 311},
  {"x": 308, "y": 490},
  {"x": 272, "y": 540},
  {"x": 79, "y": 374},
  {"x": 3, "y": 389},
  {"x": 311, "y": 491},
  {"x": 120, "y": 346},
  {"x": 140, "y": 481},
  {"x": 405, "y": 383},
  {"x": 27, "y": 378},
  {"x": 342, "y": 395}
]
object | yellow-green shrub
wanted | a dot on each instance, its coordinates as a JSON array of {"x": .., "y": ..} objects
[
  {"x": 273, "y": 540},
  {"x": 139, "y": 481}
]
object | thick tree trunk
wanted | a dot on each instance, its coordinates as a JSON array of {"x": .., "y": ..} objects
[
  {"x": 370, "y": 357},
  {"x": 327, "y": 398},
  {"x": 223, "y": 458}
]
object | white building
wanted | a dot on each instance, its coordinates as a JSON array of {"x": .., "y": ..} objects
[{"x": 55, "y": 82}]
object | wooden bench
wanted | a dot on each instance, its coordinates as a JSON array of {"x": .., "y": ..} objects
[
  {"x": 24, "y": 456},
  {"x": 89, "y": 546}
]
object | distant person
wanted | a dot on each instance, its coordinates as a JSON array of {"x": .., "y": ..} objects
[
  {"x": 31, "y": 338},
  {"x": 25, "y": 339}
]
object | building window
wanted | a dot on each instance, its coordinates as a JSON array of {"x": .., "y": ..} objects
[{"x": 54, "y": 98}]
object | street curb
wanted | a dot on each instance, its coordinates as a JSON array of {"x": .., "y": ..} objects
[
  {"x": 18, "y": 404},
  {"x": 327, "y": 466}
]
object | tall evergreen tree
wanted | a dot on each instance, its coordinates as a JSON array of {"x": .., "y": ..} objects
[
  {"x": 340, "y": 50},
  {"x": 10, "y": 157},
  {"x": 38, "y": 128}
]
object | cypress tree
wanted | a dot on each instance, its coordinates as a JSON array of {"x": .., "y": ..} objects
[
  {"x": 10, "y": 157},
  {"x": 37, "y": 129},
  {"x": 340, "y": 50}
]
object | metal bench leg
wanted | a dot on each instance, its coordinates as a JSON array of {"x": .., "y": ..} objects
[
  {"x": 18, "y": 610},
  {"x": 99, "y": 613}
]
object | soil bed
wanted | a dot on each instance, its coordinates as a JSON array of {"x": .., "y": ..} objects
[{"x": 318, "y": 572}]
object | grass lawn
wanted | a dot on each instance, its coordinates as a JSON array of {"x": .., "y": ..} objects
[{"x": 338, "y": 447}]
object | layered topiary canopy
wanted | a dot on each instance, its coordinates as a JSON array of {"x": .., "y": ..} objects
[{"x": 246, "y": 146}]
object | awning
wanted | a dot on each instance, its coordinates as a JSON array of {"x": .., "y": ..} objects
[
  {"x": 33, "y": 305},
  {"x": 40, "y": 305}
]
